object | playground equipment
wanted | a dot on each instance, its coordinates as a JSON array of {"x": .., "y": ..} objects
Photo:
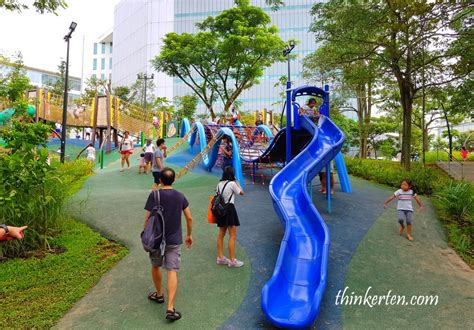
[{"x": 292, "y": 296}]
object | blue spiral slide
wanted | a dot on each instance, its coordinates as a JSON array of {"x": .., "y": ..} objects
[{"x": 292, "y": 296}]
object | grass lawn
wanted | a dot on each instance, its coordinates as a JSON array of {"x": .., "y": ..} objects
[{"x": 36, "y": 292}]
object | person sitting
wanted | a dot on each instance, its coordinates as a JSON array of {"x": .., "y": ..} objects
[{"x": 310, "y": 110}]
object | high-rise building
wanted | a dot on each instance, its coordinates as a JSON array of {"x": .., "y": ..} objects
[
  {"x": 139, "y": 27},
  {"x": 102, "y": 57}
]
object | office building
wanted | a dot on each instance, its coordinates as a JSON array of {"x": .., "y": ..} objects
[
  {"x": 102, "y": 57},
  {"x": 139, "y": 27}
]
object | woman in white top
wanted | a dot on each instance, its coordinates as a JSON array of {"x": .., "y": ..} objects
[
  {"x": 126, "y": 149},
  {"x": 228, "y": 187}
]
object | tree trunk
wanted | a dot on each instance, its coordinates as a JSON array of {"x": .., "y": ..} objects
[
  {"x": 363, "y": 126},
  {"x": 407, "y": 105}
]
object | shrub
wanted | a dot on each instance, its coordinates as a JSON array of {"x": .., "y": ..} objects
[
  {"x": 456, "y": 200},
  {"x": 424, "y": 180},
  {"x": 31, "y": 191}
]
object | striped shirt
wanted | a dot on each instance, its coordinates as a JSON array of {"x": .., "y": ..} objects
[{"x": 404, "y": 199}]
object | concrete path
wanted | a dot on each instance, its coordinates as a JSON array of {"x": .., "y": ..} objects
[{"x": 112, "y": 202}]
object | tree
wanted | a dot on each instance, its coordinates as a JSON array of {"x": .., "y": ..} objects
[
  {"x": 394, "y": 34},
  {"x": 14, "y": 84},
  {"x": 58, "y": 86},
  {"x": 137, "y": 91},
  {"x": 226, "y": 56},
  {"x": 185, "y": 106},
  {"x": 122, "y": 92},
  {"x": 41, "y": 6},
  {"x": 378, "y": 129},
  {"x": 356, "y": 80}
]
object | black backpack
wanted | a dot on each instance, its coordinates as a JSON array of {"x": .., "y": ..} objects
[
  {"x": 153, "y": 236},
  {"x": 218, "y": 207}
]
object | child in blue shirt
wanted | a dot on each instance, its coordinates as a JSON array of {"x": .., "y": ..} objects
[{"x": 404, "y": 206}]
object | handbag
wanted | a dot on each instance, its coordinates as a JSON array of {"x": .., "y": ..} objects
[{"x": 211, "y": 218}]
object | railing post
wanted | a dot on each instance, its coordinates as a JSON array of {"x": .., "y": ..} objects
[{"x": 102, "y": 158}]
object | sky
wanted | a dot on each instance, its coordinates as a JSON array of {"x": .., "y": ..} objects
[{"x": 40, "y": 37}]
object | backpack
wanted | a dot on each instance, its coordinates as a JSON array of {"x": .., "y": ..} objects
[
  {"x": 153, "y": 236},
  {"x": 218, "y": 207}
]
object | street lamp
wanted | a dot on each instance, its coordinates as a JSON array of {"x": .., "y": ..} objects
[
  {"x": 67, "y": 37},
  {"x": 286, "y": 52},
  {"x": 145, "y": 77}
]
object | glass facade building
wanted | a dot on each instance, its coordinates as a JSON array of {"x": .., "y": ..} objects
[
  {"x": 139, "y": 27},
  {"x": 102, "y": 54}
]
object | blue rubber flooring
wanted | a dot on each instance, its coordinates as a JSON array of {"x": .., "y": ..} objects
[{"x": 261, "y": 233}]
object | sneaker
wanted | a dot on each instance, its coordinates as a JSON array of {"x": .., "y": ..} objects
[
  {"x": 222, "y": 261},
  {"x": 235, "y": 264}
]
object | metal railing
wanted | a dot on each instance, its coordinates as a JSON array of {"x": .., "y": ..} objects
[{"x": 454, "y": 167}]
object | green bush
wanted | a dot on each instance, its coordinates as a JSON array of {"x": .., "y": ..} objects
[
  {"x": 457, "y": 201},
  {"x": 433, "y": 156},
  {"x": 32, "y": 192},
  {"x": 424, "y": 179}
]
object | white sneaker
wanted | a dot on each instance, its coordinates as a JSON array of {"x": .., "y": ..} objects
[
  {"x": 222, "y": 261},
  {"x": 235, "y": 264}
]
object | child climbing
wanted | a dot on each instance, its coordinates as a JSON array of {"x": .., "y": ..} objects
[{"x": 404, "y": 207}]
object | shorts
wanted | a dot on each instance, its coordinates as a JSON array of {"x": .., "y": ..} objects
[
  {"x": 170, "y": 261},
  {"x": 156, "y": 177},
  {"x": 126, "y": 152},
  {"x": 57, "y": 130},
  {"x": 405, "y": 216},
  {"x": 148, "y": 157},
  {"x": 331, "y": 167}
]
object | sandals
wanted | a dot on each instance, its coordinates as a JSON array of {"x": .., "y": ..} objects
[
  {"x": 173, "y": 315},
  {"x": 156, "y": 298}
]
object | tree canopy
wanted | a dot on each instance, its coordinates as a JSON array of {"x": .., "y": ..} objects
[
  {"x": 226, "y": 56},
  {"x": 418, "y": 44},
  {"x": 41, "y": 6}
]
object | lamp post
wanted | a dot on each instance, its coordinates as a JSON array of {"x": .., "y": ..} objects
[
  {"x": 286, "y": 52},
  {"x": 67, "y": 37},
  {"x": 145, "y": 77}
]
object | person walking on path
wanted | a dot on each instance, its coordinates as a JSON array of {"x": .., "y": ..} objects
[
  {"x": 173, "y": 203},
  {"x": 226, "y": 150},
  {"x": 158, "y": 161},
  {"x": 126, "y": 149},
  {"x": 228, "y": 187},
  {"x": 464, "y": 153},
  {"x": 404, "y": 206},
  {"x": 149, "y": 149}
]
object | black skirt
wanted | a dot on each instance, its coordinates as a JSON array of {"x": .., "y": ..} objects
[{"x": 231, "y": 218}]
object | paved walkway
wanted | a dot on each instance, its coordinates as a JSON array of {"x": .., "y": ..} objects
[{"x": 365, "y": 251}]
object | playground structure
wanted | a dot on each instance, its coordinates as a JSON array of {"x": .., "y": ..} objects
[
  {"x": 108, "y": 116},
  {"x": 292, "y": 296}
]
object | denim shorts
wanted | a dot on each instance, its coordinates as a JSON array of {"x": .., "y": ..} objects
[{"x": 170, "y": 261}]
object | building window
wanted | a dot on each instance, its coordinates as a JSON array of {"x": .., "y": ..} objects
[
  {"x": 102, "y": 64},
  {"x": 103, "y": 48},
  {"x": 94, "y": 75},
  {"x": 95, "y": 48},
  {"x": 110, "y": 63},
  {"x": 102, "y": 76},
  {"x": 94, "y": 64},
  {"x": 111, "y": 48}
]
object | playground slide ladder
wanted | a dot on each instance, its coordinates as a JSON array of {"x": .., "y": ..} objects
[
  {"x": 180, "y": 141},
  {"x": 198, "y": 157}
]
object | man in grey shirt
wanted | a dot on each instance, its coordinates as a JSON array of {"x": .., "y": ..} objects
[{"x": 158, "y": 163}]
